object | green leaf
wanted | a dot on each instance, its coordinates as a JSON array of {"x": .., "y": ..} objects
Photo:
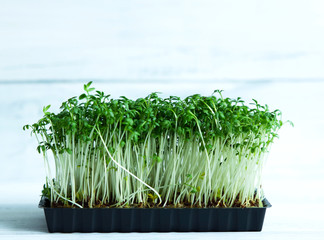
[
  {"x": 194, "y": 190},
  {"x": 82, "y": 96},
  {"x": 202, "y": 176},
  {"x": 291, "y": 123},
  {"x": 46, "y": 108},
  {"x": 86, "y": 86},
  {"x": 69, "y": 151},
  {"x": 26, "y": 127}
]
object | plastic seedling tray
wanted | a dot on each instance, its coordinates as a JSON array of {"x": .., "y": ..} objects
[{"x": 69, "y": 220}]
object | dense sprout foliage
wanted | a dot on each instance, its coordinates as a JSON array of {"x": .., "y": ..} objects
[{"x": 199, "y": 151}]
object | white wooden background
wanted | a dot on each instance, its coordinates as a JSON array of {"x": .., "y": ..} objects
[
  {"x": 143, "y": 39},
  {"x": 268, "y": 50}
]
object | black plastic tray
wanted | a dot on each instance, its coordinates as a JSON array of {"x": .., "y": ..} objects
[{"x": 154, "y": 219}]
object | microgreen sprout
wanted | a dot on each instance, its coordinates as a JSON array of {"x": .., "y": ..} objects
[{"x": 199, "y": 151}]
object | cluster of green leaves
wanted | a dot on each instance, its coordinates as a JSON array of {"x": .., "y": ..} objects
[{"x": 207, "y": 117}]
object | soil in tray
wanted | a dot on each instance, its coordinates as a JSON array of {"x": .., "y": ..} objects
[{"x": 99, "y": 204}]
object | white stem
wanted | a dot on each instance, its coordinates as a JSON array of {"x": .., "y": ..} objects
[
  {"x": 126, "y": 169},
  {"x": 67, "y": 199}
]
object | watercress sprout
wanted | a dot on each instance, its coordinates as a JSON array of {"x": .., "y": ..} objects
[{"x": 199, "y": 151}]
